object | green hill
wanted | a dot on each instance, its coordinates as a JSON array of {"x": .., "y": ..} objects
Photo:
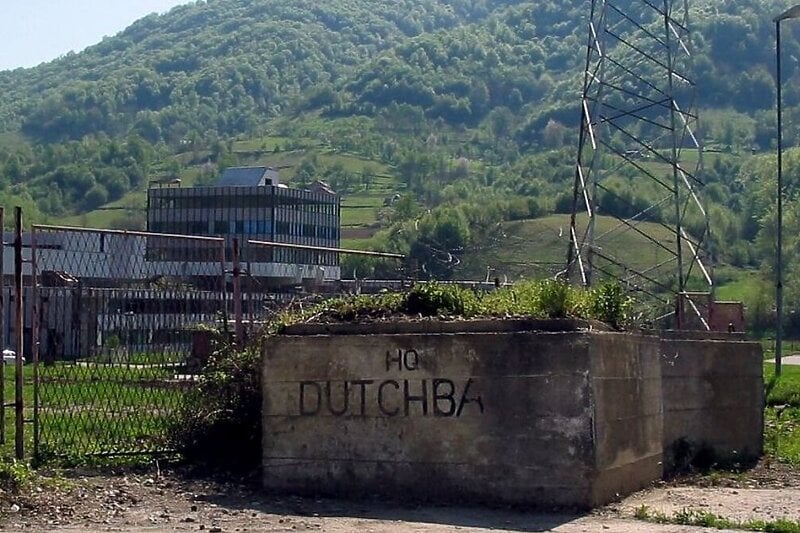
[
  {"x": 538, "y": 247},
  {"x": 466, "y": 109},
  {"x": 475, "y": 79}
]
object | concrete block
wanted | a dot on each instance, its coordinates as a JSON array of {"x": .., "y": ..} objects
[
  {"x": 495, "y": 412},
  {"x": 713, "y": 395}
]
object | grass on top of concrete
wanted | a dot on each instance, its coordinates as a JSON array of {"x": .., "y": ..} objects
[{"x": 536, "y": 299}]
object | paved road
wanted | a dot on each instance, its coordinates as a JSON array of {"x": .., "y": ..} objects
[{"x": 793, "y": 360}]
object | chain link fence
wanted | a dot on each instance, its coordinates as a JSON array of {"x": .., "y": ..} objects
[
  {"x": 115, "y": 320},
  {"x": 117, "y": 324}
]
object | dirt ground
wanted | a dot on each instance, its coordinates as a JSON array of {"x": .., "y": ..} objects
[{"x": 160, "y": 502}]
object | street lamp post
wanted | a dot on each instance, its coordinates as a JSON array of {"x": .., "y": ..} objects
[{"x": 792, "y": 13}]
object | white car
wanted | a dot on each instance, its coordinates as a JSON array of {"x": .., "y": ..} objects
[{"x": 9, "y": 357}]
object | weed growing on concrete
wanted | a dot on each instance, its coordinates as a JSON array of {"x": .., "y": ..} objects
[
  {"x": 610, "y": 304},
  {"x": 642, "y": 512},
  {"x": 539, "y": 299},
  {"x": 558, "y": 299},
  {"x": 432, "y": 299}
]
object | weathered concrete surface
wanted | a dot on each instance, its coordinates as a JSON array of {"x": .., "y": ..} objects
[
  {"x": 626, "y": 379},
  {"x": 713, "y": 400},
  {"x": 570, "y": 419}
]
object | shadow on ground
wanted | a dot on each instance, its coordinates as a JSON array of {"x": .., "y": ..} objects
[{"x": 501, "y": 519}]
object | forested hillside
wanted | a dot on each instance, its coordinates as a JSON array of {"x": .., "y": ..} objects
[{"x": 465, "y": 108}]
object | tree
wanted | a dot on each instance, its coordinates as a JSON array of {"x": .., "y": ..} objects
[
  {"x": 554, "y": 134},
  {"x": 95, "y": 197},
  {"x": 406, "y": 208},
  {"x": 306, "y": 172},
  {"x": 442, "y": 239}
]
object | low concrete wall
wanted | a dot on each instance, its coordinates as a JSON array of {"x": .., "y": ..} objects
[
  {"x": 496, "y": 413},
  {"x": 570, "y": 419},
  {"x": 627, "y": 405},
  {"x": 713, "y": 400}
]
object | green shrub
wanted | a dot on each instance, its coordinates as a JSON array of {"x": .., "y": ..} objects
[
  {"x": 15, "y": 475},
  {"x": 350, "y": 308},
  {"x": 610, "y": 304},
  {"x": 556, "y": 299},
  {"x": 433, "y": 299},
  {"x": 220, "y": 419}
]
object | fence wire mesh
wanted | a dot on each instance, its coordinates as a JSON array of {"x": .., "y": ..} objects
[
  {"x": 115, "y": 322},
  {"x": 309, "y": 274}
]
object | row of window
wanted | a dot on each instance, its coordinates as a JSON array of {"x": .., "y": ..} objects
[
  {"x": 290, "y": 256},
  {"x": 153, "y": 335},
  {"x": 317, "y": 204},
  {"x": 263, "y": 228},
  {"x": 311, "y": 231},
  {"x": 198, "y": 306},
  {"x": 184, "y": 254},
  {"x": 256, "y": 254},
  {"x": 160, "y": 306}
]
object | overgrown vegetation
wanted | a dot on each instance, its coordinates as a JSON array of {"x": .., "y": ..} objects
[
  {"x": 220, "y": 421},
  {"x": 783, "y": 390},
  {"x": 536, "y": 299},
  {"x": 15, "y": 476}
]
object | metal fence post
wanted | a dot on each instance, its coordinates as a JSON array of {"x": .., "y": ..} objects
[
  {"x": 2, "y": 331},
  {"x": 249, "y": 290},
  {"x": 237, "y": 292},
  {"x": 35, "y": 340},
  {"x": 223, "y": 288},
  {"x": 19, "y": 326}
]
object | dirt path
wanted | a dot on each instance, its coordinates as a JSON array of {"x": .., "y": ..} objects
[
  {"x": 735, "y": 504},
  {"x": 159, "y": 504}
]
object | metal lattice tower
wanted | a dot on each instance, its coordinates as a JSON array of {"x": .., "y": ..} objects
[{"x": 638, "y": 214}]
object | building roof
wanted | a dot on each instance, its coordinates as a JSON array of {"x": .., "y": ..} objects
[
  {"x": 320, "y": 186},
  {"x": 243, "y": 177}
]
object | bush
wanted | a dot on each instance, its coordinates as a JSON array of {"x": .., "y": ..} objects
[
  {"x": 610, "y": 304},
  {"x": 14, "y": 476},
  {"x": 353, "y": 308},
  {"x": 557, "y": 299},
  {"x": 220, "y": 419},
  {"x": 433, "y": 299}
]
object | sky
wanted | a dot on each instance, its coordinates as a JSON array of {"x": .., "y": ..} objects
[{"x": 36, "y": 31}]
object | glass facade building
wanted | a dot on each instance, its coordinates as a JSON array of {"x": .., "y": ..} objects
[{"x": 265, "y": 213}]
